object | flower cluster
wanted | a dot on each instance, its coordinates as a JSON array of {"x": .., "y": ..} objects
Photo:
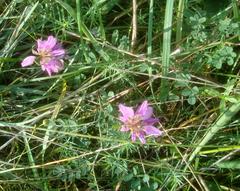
[
  {"x": 139, "y": 122},
  {"x": 50, "y": 54}
]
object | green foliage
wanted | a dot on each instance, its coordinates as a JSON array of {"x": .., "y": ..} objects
[
  {"x": 76, "y": 170},
  {"x": 198, "y": 34},
  {"x": 62, "y": 132},
  {"x": 188, "y": 92},
  {"x": 224, "y": 55},
  {"x": 227, "y": 27}
]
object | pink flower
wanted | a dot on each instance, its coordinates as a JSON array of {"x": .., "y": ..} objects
[
  {"x": 140, "y": 122},
  {"x": 50, "y": 54}
]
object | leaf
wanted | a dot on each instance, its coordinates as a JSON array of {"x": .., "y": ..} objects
[
  {"x": 195, "y": 90},
  {"x": 155, "y": 185},
  {"x": 229, "y": 164},
  {"x": 110, "y": 94},
  {"x": 202, "y": 20},
  {"x": 191, "y": 100},
  {"x": 136, "y": 184},
  {"x": 230, "y": 61},
  {"x": 128, "y": 177},
  {"x": 135, "y": 172},
  {"x": 115, "y": 37},
  {"x": 173, "y": 97},
  {"x": 146, "y": 178},
  {"x": 103, "y": 54},
  {"x": 186, "y": 92},
  {"x": 183, "y": 80},
  {"x": 212, "y": 92},
  {"x": 231, "y": 99}
]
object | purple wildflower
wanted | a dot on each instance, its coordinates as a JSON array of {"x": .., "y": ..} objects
[
  {"x": 50, "y": 53},
  {"x": 140, "y": 122}
]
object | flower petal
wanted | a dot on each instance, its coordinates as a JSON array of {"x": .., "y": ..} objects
[
  {"x": 46, "y": 45},
  {"x": 52, "y": 66},
  {"x": 124, "y": 128},
  {"x": 57, "y": 46},
  {"x": 148, "y": 113},
  {"x": 28, "y": 61},
  {"x": 144, "y": 110},
  {"x": 123, "y": 119},
  {"x": 127, "y": 112},
  {"x": 50, "y": 42},
  {"x": 150, "y": 121},
  {"x": 141, "y": 137},
  {"x": 133, "y": 137},
  {"x": 40, "y": 44},
  {"x": 151, "y": 130},
  {"x": 57, "y": 65},
  {"x": 58, "y": 53},
  {"x": 46, "y": 68}
]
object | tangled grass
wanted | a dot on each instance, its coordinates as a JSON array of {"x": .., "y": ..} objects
[{"x": 62, "y": 132}]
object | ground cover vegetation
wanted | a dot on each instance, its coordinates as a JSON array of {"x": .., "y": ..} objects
[{"x": 119, "y": 95}]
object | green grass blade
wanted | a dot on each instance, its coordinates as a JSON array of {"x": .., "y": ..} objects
[
  {"x": 98, "y": 12},
  {"x": 230, "y": 164},
  {"x": 166, "y": 48},
  {"x": 221, "y": 122},
  {"x": 78, "y": 4},
  {"x": 150, "y": 29},
  {"x": 179, "y": 20},
  {"x": 81, "y": 26},
  {"x": 229, "y": 85},
  {"x": 30, "y": 156},
  {"x": 6, "y": 11},
  {"x": 235, "y": 9},
  {"x": 54, "y": 116},
  {"x": 236, "y": 12},
  {"x": 68, "y": 8},
  {"x": 12, "y": 42}
]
